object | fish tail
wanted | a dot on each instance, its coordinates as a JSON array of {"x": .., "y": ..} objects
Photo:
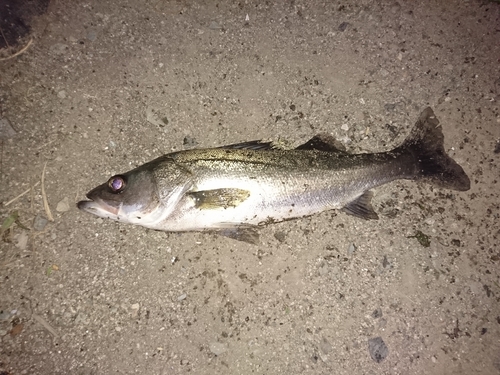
[{"x": 426, "y": 143}]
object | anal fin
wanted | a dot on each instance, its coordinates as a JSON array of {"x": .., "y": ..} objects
[
  {"x": 247, "y": 234},
  {"x": 219, "y": 198},
  {"x": 323, "y": 142},
  {"x": 362, "y": 207}
]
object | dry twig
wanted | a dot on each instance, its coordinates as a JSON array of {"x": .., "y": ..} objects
[
  {"x": 20, "y": 195},
  {"x": 44, "y": 196},
  {"x": 18, "y": 52}
]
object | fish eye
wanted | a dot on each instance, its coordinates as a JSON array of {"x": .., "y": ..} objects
[{"x": 117, "y": 184}]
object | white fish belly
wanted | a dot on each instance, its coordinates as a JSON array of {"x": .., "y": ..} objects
[{"x": 267, "y": 202}]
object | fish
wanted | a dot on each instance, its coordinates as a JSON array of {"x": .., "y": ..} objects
[{"x": 235, "y": 189}]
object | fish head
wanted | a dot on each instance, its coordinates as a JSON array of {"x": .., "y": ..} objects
[{"x": 130, "y": 198}]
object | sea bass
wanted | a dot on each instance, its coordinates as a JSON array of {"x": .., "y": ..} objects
[{"x": 235, "y": 188}]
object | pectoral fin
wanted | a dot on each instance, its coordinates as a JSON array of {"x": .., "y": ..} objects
[
  {"x": 219, "y": 198},
  {"x": 361, "y": 207}
]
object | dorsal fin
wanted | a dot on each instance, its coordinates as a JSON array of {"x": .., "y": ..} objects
[
  {"x": 251, "y": 145},
  {"x": 323, "y": 142}
]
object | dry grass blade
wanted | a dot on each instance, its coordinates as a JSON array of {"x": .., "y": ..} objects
[
  {"x": 18, "y": 52},
  {"x": 20, "y": 195},
  {"x": 46, "y": 325},
  {"x": 44, "y": 196}
]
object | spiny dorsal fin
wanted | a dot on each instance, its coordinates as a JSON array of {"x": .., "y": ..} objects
[
  {"x": 219, "y": 198},
  {"x": 251, "y": 145},
  {"x": 323, "y": 142},
  {"x": 361, "y": 207}
]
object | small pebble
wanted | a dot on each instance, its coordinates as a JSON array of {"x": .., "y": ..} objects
[
  {"x": 323, "y": 270},
  {"x": 82, "y": 319},
  {"x": 182, "y": 297},
  {"x": 59, "y": 48},
  {"x": 343, "y": 26},
  {"x": 5, "y": 315},
  {"x": 154, "y": 118},
  {"x": 214, "y": 26},
  {"x": 351, "y": 249},
  {"x": 189, "y": 141},
  {"x": 382, "y": 323},
  {"x": 497, "y": 148},
  {"x": 6, "y": 129},
  {"x": 280, "y": 236},
  {"x": 61, "y": 94},
  {"x": 39, "y": 223},
  {"x": 22, "y": 240},
  {"x": 390, "y": 107},
  {"x": 384, "y": 72},
  {"x": 377, "y": 348},
  {"x": 385, "y": 262},
  {"x": 217, "y": 348},
  {"x": 63, "y": 205},
  {"x": 92, "y": 35},
  {"x": 325, "y": 346}
]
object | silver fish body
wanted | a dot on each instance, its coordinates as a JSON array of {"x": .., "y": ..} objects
[{"x": 245, "y": 185}]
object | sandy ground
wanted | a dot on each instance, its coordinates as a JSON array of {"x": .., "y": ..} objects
[{"x": 107, "y": 86}]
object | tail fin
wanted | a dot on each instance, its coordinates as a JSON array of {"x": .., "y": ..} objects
[{"x": 426, "y": 143}]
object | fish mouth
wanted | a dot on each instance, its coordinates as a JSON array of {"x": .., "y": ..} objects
[{"x": 98, "y": 208}]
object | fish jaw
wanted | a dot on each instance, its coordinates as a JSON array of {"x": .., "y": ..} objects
[
  {"x": 100, "y": 208},
  {"x": 128, "y": 215}
]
